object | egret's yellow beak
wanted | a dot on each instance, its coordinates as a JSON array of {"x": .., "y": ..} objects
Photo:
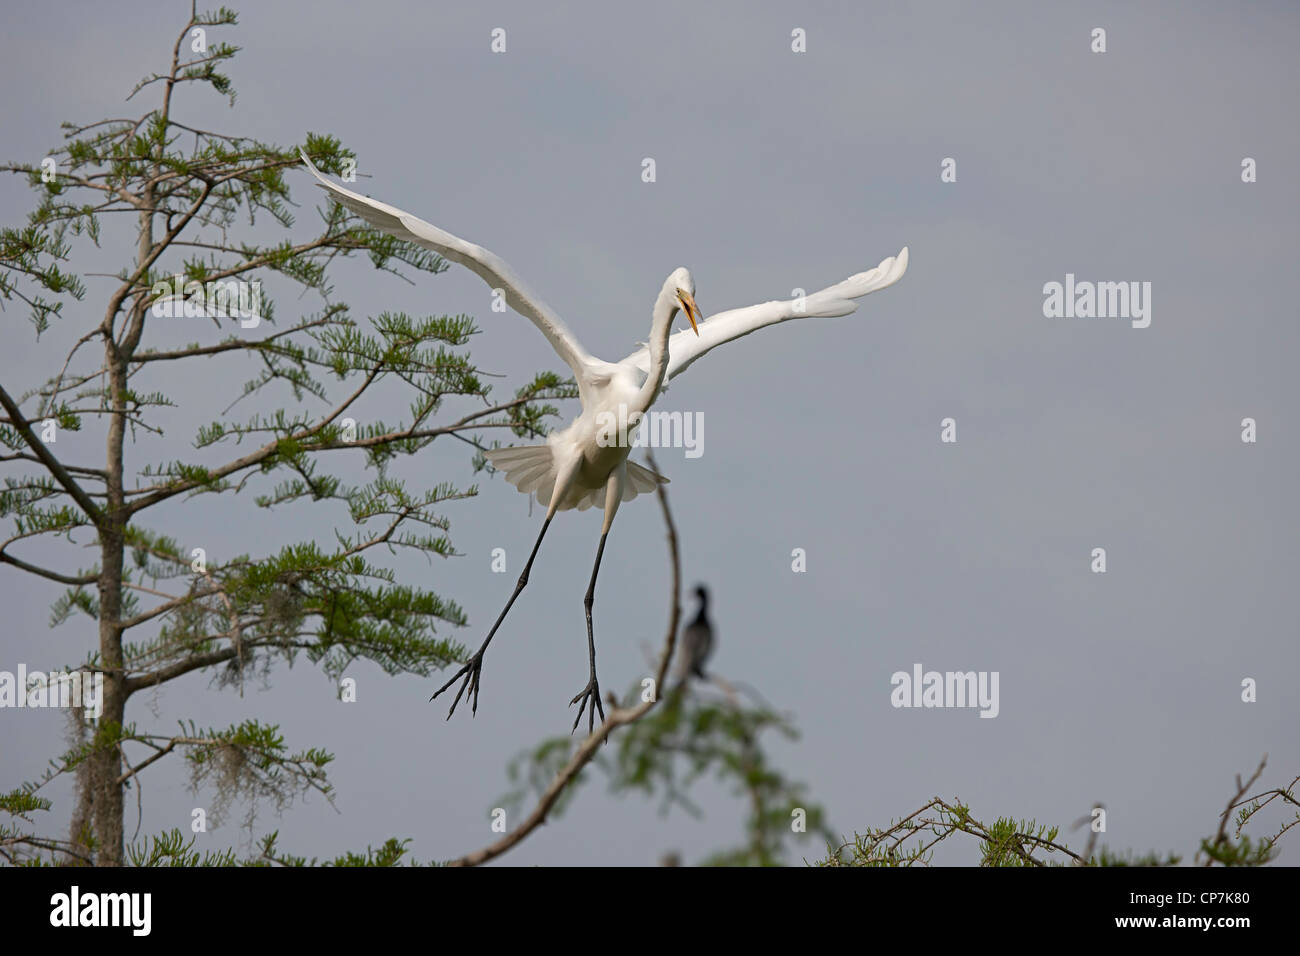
[{"x": 690, "y": 308}]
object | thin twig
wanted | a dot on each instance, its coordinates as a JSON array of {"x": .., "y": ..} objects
[
  {"x": 618, "y": 716},
  {"x": 1222, "y": 836}
]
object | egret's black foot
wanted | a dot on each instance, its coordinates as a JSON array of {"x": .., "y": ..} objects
[
  {"x": 468, "y": 675},
  {"x": 589, "y": 700}
]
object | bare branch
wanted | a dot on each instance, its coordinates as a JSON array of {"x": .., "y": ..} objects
[
  {"x": 46, "y": 572},
  {"x": 48, "y": 460},
  {"x": 618, "y": 716},
  {"x": 1222, "y": 835}
]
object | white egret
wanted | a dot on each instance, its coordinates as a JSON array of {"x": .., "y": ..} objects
[{"x": 579, "y": 466}]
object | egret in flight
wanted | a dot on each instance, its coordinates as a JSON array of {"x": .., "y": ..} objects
[{"x": 584, "y": 465}]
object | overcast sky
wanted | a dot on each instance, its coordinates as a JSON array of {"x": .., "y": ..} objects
[{"x": 778, "y": 170}]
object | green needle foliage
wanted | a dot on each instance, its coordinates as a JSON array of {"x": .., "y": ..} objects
[
  {"x": 910, "y": 841},
  {"x": 696, "y": 734},
  {"x": 200, "y": 220}
]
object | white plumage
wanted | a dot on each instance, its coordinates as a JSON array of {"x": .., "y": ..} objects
[
  {"x": 578, "y": 467},
  {"x": 532, "y": 469}
]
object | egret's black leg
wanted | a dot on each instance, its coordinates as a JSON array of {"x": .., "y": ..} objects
[
  {"x": 474, "y": 666},
  {"x": 592, "y": 690}
]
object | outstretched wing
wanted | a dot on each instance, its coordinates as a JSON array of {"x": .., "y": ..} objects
[
  {"x": 489, "y": 267},
  {"x": 685, "y": 347}
]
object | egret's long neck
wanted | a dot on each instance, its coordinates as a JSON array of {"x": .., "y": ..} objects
[{"x": 660, "y": 329}]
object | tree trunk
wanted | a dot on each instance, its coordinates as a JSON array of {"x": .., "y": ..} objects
[{"x": 106, "y": 766}]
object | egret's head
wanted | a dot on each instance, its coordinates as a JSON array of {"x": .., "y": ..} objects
[{"x": 681, "y": 285}]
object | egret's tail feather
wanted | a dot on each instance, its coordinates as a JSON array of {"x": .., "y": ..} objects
[
  {"x": 531, "y": 469},
  {"x": 641, "y": 480}
]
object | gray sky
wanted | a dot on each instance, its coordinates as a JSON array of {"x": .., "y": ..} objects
[{"x": 779, "y": 170}]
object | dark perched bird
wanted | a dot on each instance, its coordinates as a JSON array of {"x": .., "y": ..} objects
[{"x": 697, "y": 640}]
